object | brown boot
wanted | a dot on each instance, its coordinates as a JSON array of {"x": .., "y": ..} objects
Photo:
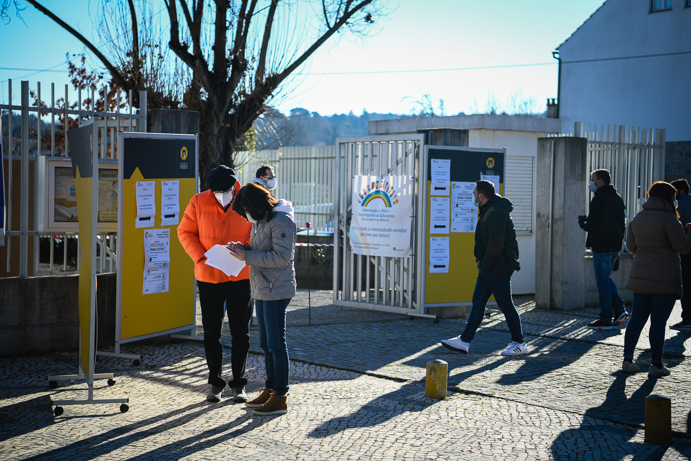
[
  {"x": 261, "y": 400},
  {"x": 275, "y": 406}
]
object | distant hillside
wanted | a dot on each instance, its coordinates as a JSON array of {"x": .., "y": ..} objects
[{"x": 304, "y": 128}]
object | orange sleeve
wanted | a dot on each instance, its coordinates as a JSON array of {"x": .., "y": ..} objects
[{"x": 188, "y": 232}]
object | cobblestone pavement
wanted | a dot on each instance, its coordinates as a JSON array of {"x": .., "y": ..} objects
[{"x": 357, "y": 392}]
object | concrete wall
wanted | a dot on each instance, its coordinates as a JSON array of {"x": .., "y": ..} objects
[
  {"x": 172, "y": 121},
  {"x": 678, "y": 160},
  {"x": 40, "y": 314},
  {"x": 645, "y": 88}
]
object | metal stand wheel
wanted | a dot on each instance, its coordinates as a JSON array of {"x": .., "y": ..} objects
[
  {"x": 111, "y": 382},
  {"x": 58, "y": 411},
  {"x": 52, "y": 384},
  {"x": 124, "y": 407}
]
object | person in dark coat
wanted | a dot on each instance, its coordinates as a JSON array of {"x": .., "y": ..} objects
[
  {"x": 496, "y": 254},
  {"x": 656, "y": 237},
  {"x": 684, "y": 210},
  {"x": 605, "y": 225}
]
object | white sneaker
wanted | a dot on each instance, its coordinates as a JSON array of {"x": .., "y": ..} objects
[
  {"x": 515, "y": 348},
  {"x": 456, "y": 344}
]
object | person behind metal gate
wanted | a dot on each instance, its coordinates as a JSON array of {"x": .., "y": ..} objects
[
  {"x": 270, "y": 255},
  {"x": 605, "y": 225},
  {"x": 496, "y": 255},
  {"x": 265, "y": 177},
  {"x": 656, "y": 237},
  {"x": 684, "y": 210},
  {"x": 208, "y": 221}
]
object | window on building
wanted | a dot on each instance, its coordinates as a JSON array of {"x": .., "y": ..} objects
[{"x": 660, "y": 5}]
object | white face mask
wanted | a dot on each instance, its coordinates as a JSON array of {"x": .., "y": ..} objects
[
  {"x": 271, "y": 184},
  {"x": 224, "y": 198},
  {"x": 676, "y": 204},
  {"x": 250, "y": 218},
  {"x": 592, "y": 187}
]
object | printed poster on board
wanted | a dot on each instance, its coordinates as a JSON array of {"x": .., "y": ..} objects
[{"x": 382, "y": 216}]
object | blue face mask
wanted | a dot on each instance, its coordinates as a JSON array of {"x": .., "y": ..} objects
[{"x": 592, "y": 187}]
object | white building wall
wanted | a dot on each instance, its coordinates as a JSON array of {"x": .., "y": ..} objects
[
  {"x": 644, "y": 89},
  {"x": 517, "y": 144}
]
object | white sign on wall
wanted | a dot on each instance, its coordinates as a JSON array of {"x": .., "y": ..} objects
[{"x": 382, "y": 216}]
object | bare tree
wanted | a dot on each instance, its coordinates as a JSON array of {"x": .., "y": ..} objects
[{"x": 231, "y": 57}]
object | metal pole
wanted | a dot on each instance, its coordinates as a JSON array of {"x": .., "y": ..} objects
[
  {"x": 309, "y": 275},
  {"x": 24, "y": 220}
]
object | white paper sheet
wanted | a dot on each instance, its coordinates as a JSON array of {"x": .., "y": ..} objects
[
  {"x": 146, "y": 204},
  {"x": 493, "y": 179},
  {"x": 440, "y": 174},
  {"x": 438, "y": 255},
  {"x": 219, "y": 257},
  {"x": 463, "y": 210},
  {"x": 439, "y": 215},
  {"x": 156, "y": 261},
  {"x": 170, "y": 203}
]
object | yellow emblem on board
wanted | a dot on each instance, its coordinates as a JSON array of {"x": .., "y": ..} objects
[
  {"x": 183, "y": 153},
  {"x": 490, "y": 163}
]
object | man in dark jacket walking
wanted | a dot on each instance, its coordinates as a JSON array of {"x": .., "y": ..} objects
[
  {"x": 605, "y": 225},
  {"x": 496, "y": 254}
]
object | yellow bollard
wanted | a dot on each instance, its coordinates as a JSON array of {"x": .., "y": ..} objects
[
  {"x": 658, "y": 420},
  {"x": 437, "y": 373}
]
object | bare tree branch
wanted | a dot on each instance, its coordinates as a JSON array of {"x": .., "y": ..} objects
[
  {"x": 261, "y": 67},
  {"x": 119, "y": 79}
]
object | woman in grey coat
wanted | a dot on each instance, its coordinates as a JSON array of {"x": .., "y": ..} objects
[{"x": 270, "y": 256}]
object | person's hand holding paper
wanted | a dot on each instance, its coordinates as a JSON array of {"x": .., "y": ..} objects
[{"x": 222, "y": 259}]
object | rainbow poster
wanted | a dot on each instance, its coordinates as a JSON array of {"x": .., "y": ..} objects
[{"x": 382, "y": 216}]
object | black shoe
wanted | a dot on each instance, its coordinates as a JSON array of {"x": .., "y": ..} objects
[
  {"x": 214, "y": 395},
  {"x": 620, "y": 319},
  {"x": 682, "y": 326},
  {"x": 600, "y": 324}
]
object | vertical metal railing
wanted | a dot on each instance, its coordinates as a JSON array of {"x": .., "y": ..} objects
[
  {"x": 375, "y": 282},
  {"x": 634, "y": 157},
  {"x": 31, "y": 147}
]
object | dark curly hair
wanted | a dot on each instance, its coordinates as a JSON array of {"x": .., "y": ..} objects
[{"x": 255, "y": 200}]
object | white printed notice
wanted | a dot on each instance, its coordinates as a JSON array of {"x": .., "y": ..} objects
[
  {"x": 156, "y": 261},
  {"x": 146, "y": 204},
  {"x": 170, "y": 203},
  {"x": 440, "y": 174},
  {"x": 439, "y": 215},
  {"x": 463, "y": 210},
  {"x": 438, "y": 255},
  {"x": 381, "y": 222},
  {"x": 493, "y": 179}
]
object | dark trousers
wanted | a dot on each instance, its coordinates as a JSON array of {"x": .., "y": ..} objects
[
  {"x": 686, "y": 280},
  {"x": 237, "y": 299},
  {"x": 657, "y": 307}
]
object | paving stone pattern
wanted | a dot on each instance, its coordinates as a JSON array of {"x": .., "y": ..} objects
[{"x": 357, "y": 392}]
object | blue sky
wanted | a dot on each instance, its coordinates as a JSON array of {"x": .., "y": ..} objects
[{"x": 407, "y": 59}]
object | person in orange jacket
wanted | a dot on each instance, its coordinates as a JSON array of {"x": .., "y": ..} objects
[{"x": 210, "y": 220}]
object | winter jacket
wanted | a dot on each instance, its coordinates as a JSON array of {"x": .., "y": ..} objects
[
  {"x": 270, "y": 255},
  {"x": 657, "y": 237},
  {"x": 496, "y": 246},
  {"x": 605, "y": 223},
  {"x": 206, "y": 224}
]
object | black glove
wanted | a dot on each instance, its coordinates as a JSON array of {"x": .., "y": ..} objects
[{"x": 581, "y": 221}]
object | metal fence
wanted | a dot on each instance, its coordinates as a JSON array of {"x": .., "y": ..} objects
[
  {"x": 376, "y": 282},
  {"x": 42, "y": 132},
  {"x": 305, "y": 177},
  {"x": 634, "y": 157}
]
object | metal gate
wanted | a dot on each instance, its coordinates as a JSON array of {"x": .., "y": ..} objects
[{"x": 373, "y": 282}]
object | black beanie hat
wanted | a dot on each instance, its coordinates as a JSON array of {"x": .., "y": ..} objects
[{"x": 221, "y": 178}]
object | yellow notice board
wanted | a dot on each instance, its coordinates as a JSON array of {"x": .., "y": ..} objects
[
  {"x": 451, "y": 171},
  {"x": 81, "y": 143},
  {"x": 156, "y": 161}
]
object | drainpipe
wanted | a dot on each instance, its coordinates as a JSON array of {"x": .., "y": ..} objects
[{"x": 555, "y": 55}]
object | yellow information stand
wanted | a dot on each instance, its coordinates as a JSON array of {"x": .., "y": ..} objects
[
  {"x": 154, "y": 298},
  {"x": 450, "y": 271},
  {"x": 83, "y": 144}
]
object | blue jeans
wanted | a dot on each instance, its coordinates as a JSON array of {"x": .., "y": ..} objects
[
  {"x": 271, "y": 318},
  {"x": 656, "y": 306},
  {"x": 487, "y": 285},
  {"x": 609, "y": 295}
]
